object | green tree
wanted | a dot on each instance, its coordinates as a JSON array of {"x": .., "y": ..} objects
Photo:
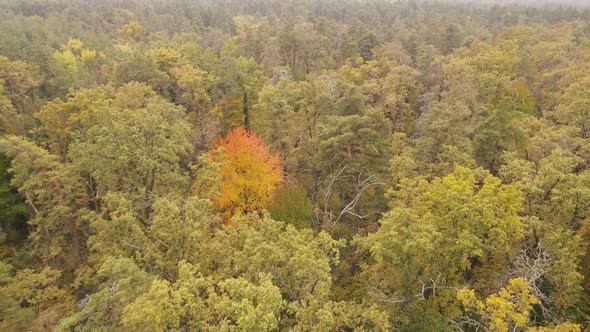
[
  {"x": 19, "y": 83},
  {"x": 117, "y": 283},
  {"x": 13, "y": 210},
  {"x": 199, "y": 303},
  {"x": 195, "y": 87},
  {"x": 33, "y": 299},
  {"x": 55, "y": 195},
  {"x": 136, "y": 146}
]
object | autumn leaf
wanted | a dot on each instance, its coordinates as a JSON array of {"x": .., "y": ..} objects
[{"x": 249, "y": 175}]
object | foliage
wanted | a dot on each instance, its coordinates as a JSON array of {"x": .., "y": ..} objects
[
  {"x": 476, "y": 226},
  {"x": 250, "y": 173},
  {"x": 505, "y": 310},
  {"x": 294, "y": 165}
]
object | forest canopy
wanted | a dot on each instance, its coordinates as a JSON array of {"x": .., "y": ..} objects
[{"x": 295, "y": 165}]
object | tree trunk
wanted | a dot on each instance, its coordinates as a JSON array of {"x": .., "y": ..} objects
[{"x": 245, "y": 110}]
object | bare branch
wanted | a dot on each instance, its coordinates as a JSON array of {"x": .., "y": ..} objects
[
  {"x": 363, "y": 186},
  {"x": 381, "y": 296},
  {"x": 133, "y": 246}
]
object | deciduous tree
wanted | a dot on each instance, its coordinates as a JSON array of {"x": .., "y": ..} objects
[{"x": 250, "y": 173}]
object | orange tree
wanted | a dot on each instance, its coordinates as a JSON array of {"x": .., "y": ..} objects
[{"x": 249, "y": 174}]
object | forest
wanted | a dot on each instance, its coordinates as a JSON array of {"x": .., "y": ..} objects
[{"x": 294, "y": 165}]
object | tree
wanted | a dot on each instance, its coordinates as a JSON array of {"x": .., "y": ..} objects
[
  {"x": 55, "y": 195},
  {"x": 74, "y": 66},
  {"x": 557, "y": 201},
  {"x": 62, "y": 121},
  {"x": 497, "y": 132},
  {"x": 199, "y": 303},
  {"x": 195, "y": 87},
  {"x": 353, "y": 147},
  {"x": 477, "y": 226},
  {"x": 118, "y": 282},
  {"x": 248, "y": 80},
  {"x": 349, "y": 150},
  {"x": 274, "y": 108},
  {"x": 299, "y": 263},
  {"x": 11, "y": 121},
  {"x": 179, "y": 231},
  {"x": 573, "y": 112},
  {"x": 13, "y": 209},
  {"x": 137, "y": 63},
  {"x": 133, "y": 31},
  {"x": 250, "y": 175},
  {"x": 507, "y": 310},
  {"x": 19, "y": 83},
  {"x": 33, "y": 298},
  {"x": 136, "y": 146},
  {"x": 276, "y": 278},
  {"x": 291, "y": 204},
  {"x": 387, "y": 86},
  {"x": 504, "y": 311}
]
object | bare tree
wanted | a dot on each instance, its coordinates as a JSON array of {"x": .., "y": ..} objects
[
  {"x": 326, "y": 216},
  {"x": 533, "y": 265}
]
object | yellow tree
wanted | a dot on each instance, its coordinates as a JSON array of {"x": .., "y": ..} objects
[
  {"x": 506, "y": 310},
  {"x": 249, "y": 175}
]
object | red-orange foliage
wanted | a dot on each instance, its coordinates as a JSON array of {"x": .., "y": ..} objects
[{"x": 250, "y": 172}]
